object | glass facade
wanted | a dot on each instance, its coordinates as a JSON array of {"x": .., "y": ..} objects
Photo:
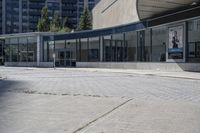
[
  {"x": 23, "y": 49},
  {"x": 94, "y": 49},
  {"x": 84, "y": 49},
  {"x": 144, "y": 45},
  {"x": 131, "y": 41},
  {"x": 193, "y": 48},
  {"x": 2, "y": 54},
  {"x": 159, "y": 41},
  {"x": 107, "y": 48}
]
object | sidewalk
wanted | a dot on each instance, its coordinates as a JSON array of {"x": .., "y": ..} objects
[
  {"x": 159, "y": 73},
  {"x": 179, "y": 74}
]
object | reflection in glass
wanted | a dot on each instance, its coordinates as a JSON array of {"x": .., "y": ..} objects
[
  {"x": 193, "y": 53},
  {"x": 94, "y": 49},
  {"x": 23, "y": 49},
  {"x": 32, "y": 49},
  {"x": 84, "y": 49},
  {"x": 159, "y": 36},
  {"x": 131, "y": 39}
]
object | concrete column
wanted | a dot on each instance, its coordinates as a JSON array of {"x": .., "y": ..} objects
[
  {"x": 41, "y": 49},
  {"x": 38, "y": 50},
  {"x": 101, "y": 49}
]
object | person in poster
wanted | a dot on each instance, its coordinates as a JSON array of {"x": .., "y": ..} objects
[
  {"x": 175, "y": 50},
  {"x": 175, "y": 40}
]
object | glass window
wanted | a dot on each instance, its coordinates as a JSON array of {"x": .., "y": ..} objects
[
  {"x": 147, "y": 50},
  {"x": 7, "y": 50},
  {"x": 94, "y": 49},
  {"x": 193, "y": 48},
  {"x": 131, "y": 40},
  {"x": 107, "y": 48},
  {"x": 14, "y": 49},
  {"x": 23, "y": 49},
  {"x": 71, "y": 52},
  {"x": 84, "y": 50},
  {"x": 118, "y": 48},
  {"x": 50, "y": 50},
  {"x": 45, "y": 51},
  {"x": 59, "y": 46},
  {"x": 141, "y": 46},
  {"x": 78, "y": 51},
  {"x": 32, "y": 49},
  {"x": 159, "y": 36}
]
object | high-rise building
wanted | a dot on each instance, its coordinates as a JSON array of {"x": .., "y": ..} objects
[
  {"x": 0, "y": 16},
  {"x": 19, "y": 16}
]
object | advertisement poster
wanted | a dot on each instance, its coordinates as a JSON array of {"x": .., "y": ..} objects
[{"x": 175, "y": 50}]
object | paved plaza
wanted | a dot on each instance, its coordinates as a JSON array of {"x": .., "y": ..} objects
[{"x": 77, "y": 100}]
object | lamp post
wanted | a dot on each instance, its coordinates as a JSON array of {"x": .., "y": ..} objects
[{"x": 52, "y": 46}]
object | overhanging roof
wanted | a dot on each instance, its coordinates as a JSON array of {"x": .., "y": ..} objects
[{"x": 151, "y": 8}]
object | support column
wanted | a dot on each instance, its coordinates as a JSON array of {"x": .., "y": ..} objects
[
  {"x": 101, "y": 49},
  {"x": 38, "y": 50}
]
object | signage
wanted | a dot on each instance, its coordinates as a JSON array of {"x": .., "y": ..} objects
[{"x": 175, "y": 49}]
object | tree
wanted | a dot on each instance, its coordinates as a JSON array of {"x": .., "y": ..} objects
[
  {"x": 56, "y": 23},
  {"x": 85, "y": 20},
  {"x": 66, "y": 25},
  {"x": 44, "y": 23}
]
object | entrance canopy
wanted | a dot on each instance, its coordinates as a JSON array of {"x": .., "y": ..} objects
[{"x": 152, "y": 8}]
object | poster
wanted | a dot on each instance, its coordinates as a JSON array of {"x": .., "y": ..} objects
[{"x": 175, "y": 49}]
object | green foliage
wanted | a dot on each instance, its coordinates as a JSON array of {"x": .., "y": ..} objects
[
  {"x": 56, "y": 23},
  {"x": 66, "y": 23},
  {"x": 85, "y": 20},
  {"x": 65, "y": 29},
  {"x": 44, "y": 23}
]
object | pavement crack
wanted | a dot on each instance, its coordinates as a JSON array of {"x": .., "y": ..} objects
[{"x": 102, "y": 116}]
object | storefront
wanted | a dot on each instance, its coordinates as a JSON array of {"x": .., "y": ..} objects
[{"x": 166, "y": 40}]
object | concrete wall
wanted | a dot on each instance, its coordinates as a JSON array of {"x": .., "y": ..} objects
[
  {"x": 30, "y": 64},
  {"x": 109, "y": 13},
  {"x": 142, "y": 66},
  {"x": 21, "y": 64},
  {"x": 46, "y": 64}
]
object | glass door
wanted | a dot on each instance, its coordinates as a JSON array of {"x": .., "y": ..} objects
[
  {"x": 141, "y": 46},
  {"x": 1, "y": 52},
  {"x": 66, "y": 58},
  {"x": 119, "y": 50},
  {"x": 61, "y": 58}
]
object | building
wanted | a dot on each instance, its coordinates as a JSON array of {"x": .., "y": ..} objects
[
  {"x": 20, "y": 16},
  {"x": 127, "y": 34},
  {"x": 0, "y": 17}
]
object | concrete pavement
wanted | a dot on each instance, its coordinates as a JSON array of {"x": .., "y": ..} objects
[{"x": 39, "y": 100}]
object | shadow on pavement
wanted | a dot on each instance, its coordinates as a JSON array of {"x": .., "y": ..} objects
[{"x": 9, "y": 86}]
